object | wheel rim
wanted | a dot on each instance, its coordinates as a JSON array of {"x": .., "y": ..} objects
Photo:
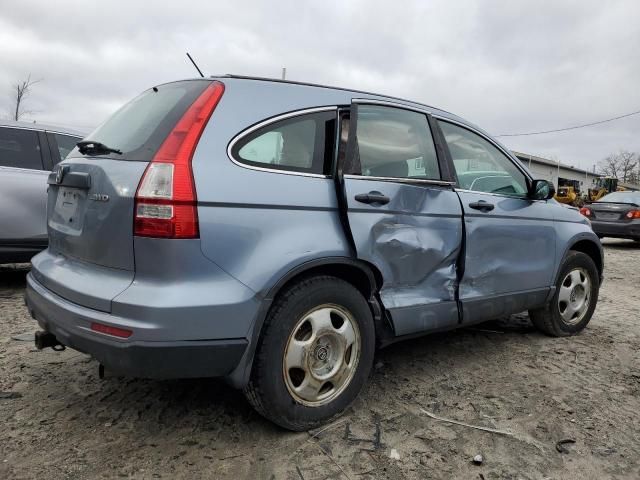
[
  {"x": 574, "y": 296},
  {"x": 321, "y": 355}
]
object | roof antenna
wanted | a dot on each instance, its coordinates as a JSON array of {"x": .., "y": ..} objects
[{"x": 195, "y": 65}]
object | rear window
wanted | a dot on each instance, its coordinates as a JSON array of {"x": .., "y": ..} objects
[
  {"x": 139, "y": 127},
  {"x": 621, "y": 197}
]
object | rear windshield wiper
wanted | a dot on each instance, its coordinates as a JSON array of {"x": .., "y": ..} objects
[{"x": 89, "y": 147}]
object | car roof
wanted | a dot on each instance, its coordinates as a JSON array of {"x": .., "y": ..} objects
[
  {"x": 361, "y": 94},
  {"x": 43, "y": 127},
  {"x": 354, "y": 93}
]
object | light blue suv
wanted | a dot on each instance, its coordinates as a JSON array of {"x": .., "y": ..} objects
[{"x": 277, "y": 233}]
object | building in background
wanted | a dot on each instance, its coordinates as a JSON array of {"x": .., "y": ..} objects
[{"x": 553, "y": 171}]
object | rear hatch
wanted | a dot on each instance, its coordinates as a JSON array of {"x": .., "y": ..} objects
[{"x": 91, "y": 199}]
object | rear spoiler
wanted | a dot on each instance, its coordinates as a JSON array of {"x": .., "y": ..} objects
[{"x": 618, "y": 203}]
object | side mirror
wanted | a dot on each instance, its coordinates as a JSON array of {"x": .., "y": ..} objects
[{"x": 542, "y": 190}]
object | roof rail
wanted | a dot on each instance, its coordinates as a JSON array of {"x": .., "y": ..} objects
[{"x": 319, "y": 85}]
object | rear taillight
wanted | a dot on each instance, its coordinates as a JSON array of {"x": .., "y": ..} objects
[
  {"x": 633, "y": 214},
  {"x": 585, "y": 211},
  {"x": 166, "y": 203}
]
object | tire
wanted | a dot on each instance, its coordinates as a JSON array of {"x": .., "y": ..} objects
[
  {"x": 305, "y": 324},
  {"x": 553, "y": 318}
]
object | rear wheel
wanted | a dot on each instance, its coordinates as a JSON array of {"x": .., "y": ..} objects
[
  {"x": 315, "y": 353},
  {"x": 575, "y": 298}
]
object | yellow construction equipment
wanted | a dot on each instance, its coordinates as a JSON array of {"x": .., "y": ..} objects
[
  {"x": 602, "y": 186},
  {"x": 569, "y": 193}
]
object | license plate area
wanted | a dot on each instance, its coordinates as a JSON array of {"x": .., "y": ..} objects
[
  {"x": 68, "y": 212},
  {"x": 608, "y": 216}
]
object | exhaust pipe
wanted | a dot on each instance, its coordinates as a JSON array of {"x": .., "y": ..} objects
[{"x": 45, "y": 339}]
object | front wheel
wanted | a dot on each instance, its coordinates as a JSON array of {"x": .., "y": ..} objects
[
  {"x": 575, "y": 298},
  {"x": 314, "y": 355}
]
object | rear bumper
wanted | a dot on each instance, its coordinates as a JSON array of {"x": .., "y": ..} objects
[
  {"x": 71, "y": 324},
  {"x": 617, "y": 229}
]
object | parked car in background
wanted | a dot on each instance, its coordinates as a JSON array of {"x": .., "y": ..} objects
[
  {"x": 28, "y": 152},
  {"x": 616, "y": 215},
  {"x": 275, "y": 233}
]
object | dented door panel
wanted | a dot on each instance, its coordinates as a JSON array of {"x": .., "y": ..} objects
[
  {"x": 510, "y": 256},
  {"x": 414, "y": 240}
]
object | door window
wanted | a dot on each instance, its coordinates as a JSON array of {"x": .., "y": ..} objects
[
  {"x": 20, "y": 148},
  {"x": 299, "y": 144},
  {"x": 480, "y": 166},
  {"x": 65, "y": 144},
  {"x": 61, "y": 145},
  {"x": 392, "y": 142}
]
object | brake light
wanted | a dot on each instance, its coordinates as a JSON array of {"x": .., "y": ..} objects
[
  {"x": 585, "y": 211},
  {"x": 166, "y": 202},
  {"x": 633, "y": 214}
]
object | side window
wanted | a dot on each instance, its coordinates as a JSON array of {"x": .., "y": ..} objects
[
  {"x": 392, "y": 142},
  {"x": 300, "y": 144},
  {"x": 480, "y": 166},
  {"x": 20, "y": 148},
  {"x": 61, "y": 145}
]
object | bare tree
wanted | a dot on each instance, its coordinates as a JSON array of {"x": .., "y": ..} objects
[
  {"x": 609, "y": 166},
  {"x": 21, "y": 91},
  {"x": 621, "y": 165}
]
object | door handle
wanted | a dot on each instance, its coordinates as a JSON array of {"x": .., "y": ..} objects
[
  {"x": 372, "y": 197},
  {"x": 482, "y": 206}
]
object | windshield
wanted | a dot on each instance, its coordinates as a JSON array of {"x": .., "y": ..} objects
[
  {"x": 139, "y": 127},
  {"x": 621, "y": 197}
]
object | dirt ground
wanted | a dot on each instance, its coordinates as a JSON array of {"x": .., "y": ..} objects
[{"x": 59, "y": 420}]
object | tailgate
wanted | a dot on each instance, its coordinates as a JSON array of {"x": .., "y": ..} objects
[
  {"x": 91, "y": 197},
  {"x": 90, "y": 211}
]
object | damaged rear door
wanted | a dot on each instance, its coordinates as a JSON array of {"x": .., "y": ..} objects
[{"x": 402, "y": 213}]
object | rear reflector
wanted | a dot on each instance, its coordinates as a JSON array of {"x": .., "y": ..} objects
[
  {"x": 113, "y": 331},
  {"x": 166, "y": 203}
]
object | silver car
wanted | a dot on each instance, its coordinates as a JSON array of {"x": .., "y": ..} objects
[
  {"x": 28, "y": 153},
  {"x": 275, "y": 234}
]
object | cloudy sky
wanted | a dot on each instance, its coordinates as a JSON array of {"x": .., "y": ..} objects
[{"x": 508, "y": 66}]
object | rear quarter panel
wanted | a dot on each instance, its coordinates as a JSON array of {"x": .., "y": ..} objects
[{"x": 259, "y": 225}]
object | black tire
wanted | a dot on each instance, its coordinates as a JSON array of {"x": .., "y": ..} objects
[
  {"x": 548, "y": 319},
  {"x": 267, "y": 391}
]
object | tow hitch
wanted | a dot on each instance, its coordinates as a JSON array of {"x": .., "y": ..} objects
[{"x": 45, "y": 339}]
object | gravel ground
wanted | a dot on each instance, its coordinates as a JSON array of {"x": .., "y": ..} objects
[{"x": 59, "y": 420}]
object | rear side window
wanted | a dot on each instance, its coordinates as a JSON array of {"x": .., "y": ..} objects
[
  {"x": 20, "y": 148},
  {"x": 393, "y": 143},
  {"x": 299, "y": 144},
  {"x": 61, "y": 145},
  {"x": 140, "y": 127}
]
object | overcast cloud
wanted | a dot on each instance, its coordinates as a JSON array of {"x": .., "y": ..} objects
[{"x": 508, "y": 66}]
